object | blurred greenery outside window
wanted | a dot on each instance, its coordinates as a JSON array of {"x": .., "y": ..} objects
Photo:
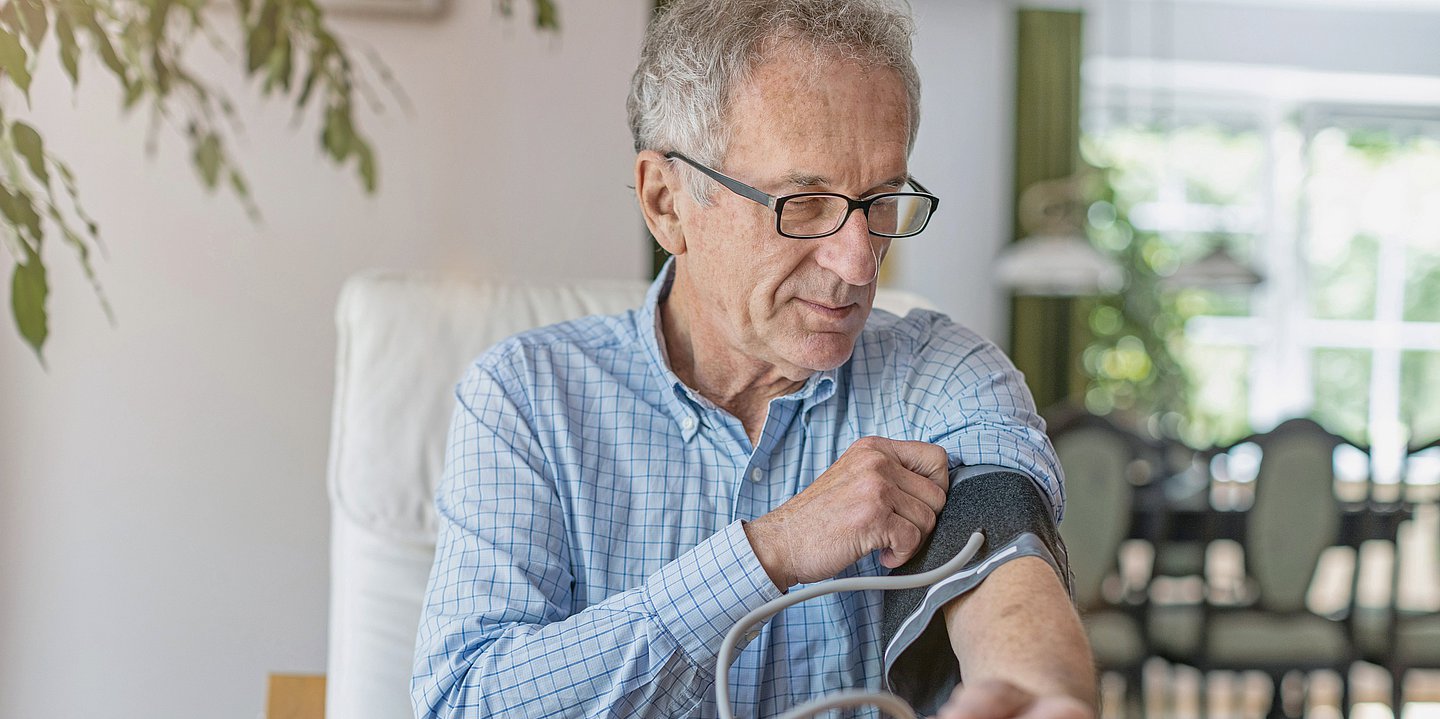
[{"x": 1338, "y": 207}]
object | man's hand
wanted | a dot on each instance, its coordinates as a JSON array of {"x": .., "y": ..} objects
[
  {"x": 999, "y": 699},
  {"x": 881, "y": 494}
]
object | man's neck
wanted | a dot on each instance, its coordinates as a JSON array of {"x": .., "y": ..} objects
[{"x": 740, "y": 385}]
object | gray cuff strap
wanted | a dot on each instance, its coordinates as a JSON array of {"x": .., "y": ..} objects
[{"x": 919, "y": 663}]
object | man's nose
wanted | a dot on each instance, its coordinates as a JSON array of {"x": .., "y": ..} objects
[{"x": 851, "y": 253}]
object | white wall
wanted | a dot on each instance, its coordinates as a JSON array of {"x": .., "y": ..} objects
[
  {"x": 966, "y": 55},
  {"x": 163, "y": 520}
]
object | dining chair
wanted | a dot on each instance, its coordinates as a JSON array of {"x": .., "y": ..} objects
[
  {"x": 1294, "y": 519},
  {"x": 1098, "y": 458},
  {"x": 1413, "y": 641}
]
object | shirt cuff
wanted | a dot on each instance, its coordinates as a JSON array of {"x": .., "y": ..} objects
[{"x": 699, "y": 596}]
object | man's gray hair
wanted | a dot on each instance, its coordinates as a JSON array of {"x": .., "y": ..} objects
[{"x": 697, "y": 52}]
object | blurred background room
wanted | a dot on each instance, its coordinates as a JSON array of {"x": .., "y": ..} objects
[{"x": 1208, "y": 231}]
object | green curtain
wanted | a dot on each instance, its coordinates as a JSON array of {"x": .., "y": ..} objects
[{"x": 1047, "y": 334}]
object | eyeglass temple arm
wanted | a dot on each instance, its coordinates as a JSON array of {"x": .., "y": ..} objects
[{"x": 730, "y": 183}]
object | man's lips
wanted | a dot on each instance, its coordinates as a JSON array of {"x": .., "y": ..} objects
[{"x": 836, "y": 312}]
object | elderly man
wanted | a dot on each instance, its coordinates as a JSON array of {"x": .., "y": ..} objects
[{"x": 620, "y": 490}]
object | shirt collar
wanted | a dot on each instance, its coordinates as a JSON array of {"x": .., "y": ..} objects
[
  {"x": 648, "y": 325},
  {"x": 682, "y": 402}
]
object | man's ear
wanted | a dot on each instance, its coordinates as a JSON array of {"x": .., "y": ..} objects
[{"x": 657, "y": 187}]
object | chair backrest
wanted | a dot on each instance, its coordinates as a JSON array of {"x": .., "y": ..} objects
[
  {"x": 404, "y": 340},
  {"x": 1096, "y": 457},
  {"x": 1296, "y": 514}
]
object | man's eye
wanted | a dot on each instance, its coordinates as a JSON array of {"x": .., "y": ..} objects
[{"x": 806, "y": 206}]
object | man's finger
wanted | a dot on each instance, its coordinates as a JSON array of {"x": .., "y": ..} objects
[
  {"x": 1058, "y": 707},
  {"x": 922, "y": 458},
  {"x": 903, "y": 541},
  {"x": 923, "y": 488},
  {"x": 914, "y": 510},
  {"x": 990, "y": 699},
  {"x": 907, "y": 530}
]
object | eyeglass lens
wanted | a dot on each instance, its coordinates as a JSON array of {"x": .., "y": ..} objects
[{"x": 814, "y": 215}]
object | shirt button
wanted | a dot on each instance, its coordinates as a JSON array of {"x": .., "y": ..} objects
[
  {"x": 688, "y": 423},
  {"x": 751, "y": 635},
  {"x": 756, "y": 475}
]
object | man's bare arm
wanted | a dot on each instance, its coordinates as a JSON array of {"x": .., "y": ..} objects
[{"x": 1021, "y": 647}]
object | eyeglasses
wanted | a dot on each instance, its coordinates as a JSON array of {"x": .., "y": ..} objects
[{"x": 812, "y": 215}]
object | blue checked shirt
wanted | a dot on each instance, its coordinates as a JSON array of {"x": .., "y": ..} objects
[{"x": 591, "y": 556}]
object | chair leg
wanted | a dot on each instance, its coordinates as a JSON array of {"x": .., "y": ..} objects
[
  {"x": 1277, "y": 697},
  {"x": 1397, "y": 692},
  {"x": 1134, "y": 696},
  {"x": 1345, "y": 692}
]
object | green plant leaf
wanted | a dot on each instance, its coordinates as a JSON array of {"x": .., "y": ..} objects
[
  {"x": 237, "y": 183},
  {"x": 133, "y": 92},
  {"x": 281, "y": 66},
  {"x": 10, "y": 17},
  {"x": 260, "y": 40},
  {"x": 20, "y": 211},
  {"x": 338, "y": 134},
  {"x": 159, "y": 14},
  {"x": 102, "y": 44},
  {"x": 30, "y": 146},
  {"x": 162, "y": 74},
  {"x": 208, "y": 159},
  {"x": 34, "y": 20},
  {"x": 547, "y": 16},
  {"x": 369, "y": 174},
  {"x": 69, "y": 50},
  {"x": 28, "y": 291},
  {"x": 309, "y": 83},
  {"x": 82, "y": 251},
  {"x": 12, "y": 61}
]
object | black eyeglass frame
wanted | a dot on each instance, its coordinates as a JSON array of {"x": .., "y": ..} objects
[{"x": 778, "y": 203}]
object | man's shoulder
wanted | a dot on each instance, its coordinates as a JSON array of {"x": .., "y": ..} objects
[
  {"x": 920, "y": 334},
  {"x": 586, "y": 339}
]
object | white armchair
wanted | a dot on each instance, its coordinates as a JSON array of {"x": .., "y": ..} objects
[{"x": 404, "y": 340}]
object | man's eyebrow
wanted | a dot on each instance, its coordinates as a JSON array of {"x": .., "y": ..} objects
[
  {"x": 895, "y": 181},
  {"x": 795, "y": 178}
]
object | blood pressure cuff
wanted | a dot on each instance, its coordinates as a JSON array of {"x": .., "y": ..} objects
[{"x": 919, "y": 663}]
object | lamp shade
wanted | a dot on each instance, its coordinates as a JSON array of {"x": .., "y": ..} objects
[
  {"x": 1216, "y": 270},
  {"x": 1057, "y": 266}
]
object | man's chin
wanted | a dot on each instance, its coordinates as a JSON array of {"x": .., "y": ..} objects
[{"x": 824, "y": 351}]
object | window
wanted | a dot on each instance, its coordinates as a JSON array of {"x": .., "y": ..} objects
[{"x": 1337, "y": 205}]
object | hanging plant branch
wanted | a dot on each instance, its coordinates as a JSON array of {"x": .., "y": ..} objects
[{"x": 286, "y": 46}]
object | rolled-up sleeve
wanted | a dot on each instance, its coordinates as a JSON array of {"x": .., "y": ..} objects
[{"x": 970, "y": 399}]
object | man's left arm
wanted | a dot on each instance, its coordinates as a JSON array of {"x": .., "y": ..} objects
[{"x": 1021, "y": 648}]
